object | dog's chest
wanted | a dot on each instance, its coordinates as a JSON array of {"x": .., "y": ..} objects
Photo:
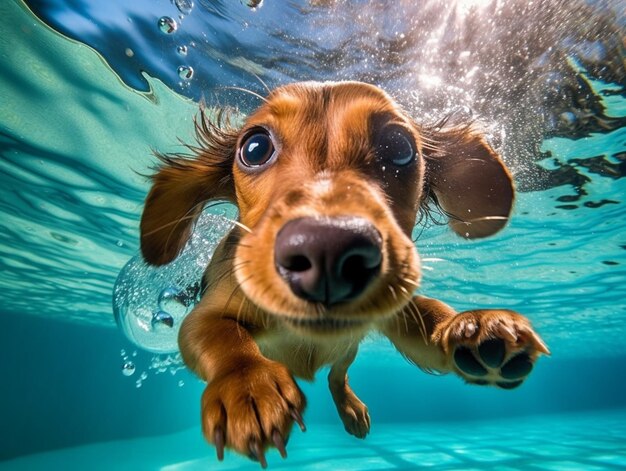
[{"x": 303, "y": 357}]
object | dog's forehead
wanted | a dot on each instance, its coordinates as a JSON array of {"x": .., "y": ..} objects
[{"x": 302, "y": 104}]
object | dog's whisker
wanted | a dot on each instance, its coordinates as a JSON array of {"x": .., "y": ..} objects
[
  {"x": 410, "y": 282},
  {"x": 238, "y": 316},
  {"x": 245, "y": 90},
  {"x": 258, "y": 77},
  {"x": 238, "y": 287},
  {"x": 404, "y": 290},
  {"x": 393, "y": 292},
  {"x": 236, "y": 243},
  {"x": 415, "y": 314},
  {"x": 187, "y": 216},
  {"x": 433, "y": 259},
  {"x": 241, "y": 225},
  {"x": 171, "y": 223},
  {"x": 485, "y": 218},
  {"x": 213, "y": 283}
]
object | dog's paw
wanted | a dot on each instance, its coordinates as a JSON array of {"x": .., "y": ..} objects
[
  {"x": 353, "y": 413},
  {"x": 492, "y": 347},
  {"x": 252, "y": 409}
]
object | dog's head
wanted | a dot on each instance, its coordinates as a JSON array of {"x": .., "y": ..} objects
[{"x": 329, "y": 179}]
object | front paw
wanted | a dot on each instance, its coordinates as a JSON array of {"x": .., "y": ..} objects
[
  {"x": 251, "y": 409},
  {"x": 353, "y": 413},
  {"x": 492, "y": 347}
]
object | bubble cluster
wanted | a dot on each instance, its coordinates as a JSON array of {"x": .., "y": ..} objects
[
  {"x": 158, "y": 364},
  {"x": 142, "y": 378},
  {"x": 128, "y": 366},
  {"x": 150, "y": 303},
  {"x": 171, "y": 363},
  {"x": 168, "y": 26}
]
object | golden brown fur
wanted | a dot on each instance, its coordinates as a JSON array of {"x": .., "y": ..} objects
[{"x": 250, "y": 333}]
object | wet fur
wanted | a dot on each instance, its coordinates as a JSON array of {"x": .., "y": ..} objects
[{"x": 250, "y": 334}]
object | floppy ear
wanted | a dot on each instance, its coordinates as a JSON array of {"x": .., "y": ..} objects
[
  {"x": 183, "y": 185},
  {"x": 470, "y": 182}
]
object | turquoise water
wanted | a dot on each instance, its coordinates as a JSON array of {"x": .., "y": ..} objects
[
  {"x": 76, "y": 133},
  {"x": 588, "y": 441}
]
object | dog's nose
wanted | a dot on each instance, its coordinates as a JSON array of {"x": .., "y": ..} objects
[{"x": 328, "y": 260}]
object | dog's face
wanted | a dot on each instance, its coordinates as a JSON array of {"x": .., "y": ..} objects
[{"x": 329, "y": 178}]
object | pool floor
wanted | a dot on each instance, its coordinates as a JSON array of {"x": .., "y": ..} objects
[{"x": 591, "y": 441}]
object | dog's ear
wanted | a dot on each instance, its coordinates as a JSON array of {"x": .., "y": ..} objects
[
  {"x": 183, "y": 185},
  {"x": 468, "y": 179}
]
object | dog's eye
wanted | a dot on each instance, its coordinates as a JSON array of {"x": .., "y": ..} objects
[
  {"x": 397, "y": 146},
  {"x": 257, "y": 149}
]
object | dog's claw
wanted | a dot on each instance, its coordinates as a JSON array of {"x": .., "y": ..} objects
[
  {"x": 256, "y": 453},
  {"x": 298, "y": 418},
  {"x": 219, "y": 440},
  {"x": 279, "y": 443}
]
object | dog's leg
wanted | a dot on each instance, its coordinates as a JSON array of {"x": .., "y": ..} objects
[
  {"x": 250, "y": 402},
  {"x": 352, "y": 411},
  {"x": 486, "y": 346}
]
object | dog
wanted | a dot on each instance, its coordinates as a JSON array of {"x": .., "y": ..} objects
[{"x": 329, "y": 179}]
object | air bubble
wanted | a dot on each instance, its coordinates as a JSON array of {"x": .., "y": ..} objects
[
  {"x": 252, "y": 4},
  {"x": 167, "y": 25},
  {"x": 184, "y": 6},
  {"x": 182, "y": 50},
  {"x": 128, "y": 369},
  {"x": 181, "y": 383},
  {"x": 176, "y": 301},
  {"x": 162, "y": 320},
  {"x": 142, "y": 290},
  {"x": 185, "y": 72}
]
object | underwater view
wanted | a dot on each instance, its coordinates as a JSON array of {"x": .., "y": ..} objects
[{"x": 91, "y": 91}]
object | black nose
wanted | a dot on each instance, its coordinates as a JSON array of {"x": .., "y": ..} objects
[{"x": 328, "y": 260}]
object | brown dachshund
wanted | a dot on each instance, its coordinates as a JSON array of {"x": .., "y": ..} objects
[{"x": 329, "y": 179}]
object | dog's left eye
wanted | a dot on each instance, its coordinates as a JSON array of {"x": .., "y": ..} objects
[
  {"x": 257, "y": 149},
  {"x": 397, "y": 146}
]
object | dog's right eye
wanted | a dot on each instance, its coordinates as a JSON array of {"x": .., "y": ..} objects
[
  {"x": 257, "y": 149},
  {"x": 397, "y": 146}
]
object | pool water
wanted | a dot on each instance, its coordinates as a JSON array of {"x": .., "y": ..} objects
[
  {"x": 557, "y": 442},
  {"x": 87, "y": 94}
]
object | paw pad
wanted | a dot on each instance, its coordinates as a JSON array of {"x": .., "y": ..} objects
[{"x": 487, "y": 364}]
